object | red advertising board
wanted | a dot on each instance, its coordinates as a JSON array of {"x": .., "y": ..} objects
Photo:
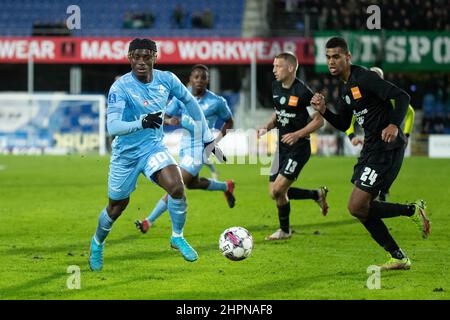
[{"x": 170, "y": 50}]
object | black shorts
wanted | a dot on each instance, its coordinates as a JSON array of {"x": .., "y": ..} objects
[
  {"x": 289, "y": 162},
  {"x": 376, "y": 170}
]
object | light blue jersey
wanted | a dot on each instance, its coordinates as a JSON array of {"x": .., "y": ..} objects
[
  {"x": 129, "y": 100},
  {"x": 214, "y": 107},
  {"x": 136, "y": 150}
]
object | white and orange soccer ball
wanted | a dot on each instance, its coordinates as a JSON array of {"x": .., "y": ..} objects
[{"x": 236, "y": 243}]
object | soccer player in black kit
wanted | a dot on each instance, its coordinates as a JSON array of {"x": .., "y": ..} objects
[
  {"x": 295, "y": 119},
  {"x": 368, "y": 97}
]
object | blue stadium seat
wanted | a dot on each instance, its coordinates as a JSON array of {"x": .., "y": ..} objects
[{"x": 105, "y": 18}]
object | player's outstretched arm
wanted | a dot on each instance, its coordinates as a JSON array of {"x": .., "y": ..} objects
[
  {"x": 269, "y": 126},
  {"x": 227, "y": 125},
  {"x": 114, "y": 113},
  {"x": 117, "y": 127},
  {"x": 340, "y": 121},
  {"x": 292, "y": 137},
  {"x": 152, "y": 120},
  {"x": 387, "y": 91},
  {"x": 351, "y": 134},
  {"x": 224, "y": 113},
  {"x": 171, "y": 121},
  {"x": 397, "y": 114}
]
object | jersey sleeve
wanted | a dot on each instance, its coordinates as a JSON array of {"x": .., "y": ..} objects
[
  {"x": 351, "y": 130},
  {"x": 224, "y": 111},
  {"x": 306, "y": 97},
  {"x": 117, "y": 103},
  {"x": 342, "y": 119},
  {"x": 179, "y": 91},
  {"x": 386, "y": 91},
  {"x": 174, "y": 108},
  {"x": 409, "y": 120}
]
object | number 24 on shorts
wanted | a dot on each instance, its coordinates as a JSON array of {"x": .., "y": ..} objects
[{"x": 369, "y": 174}]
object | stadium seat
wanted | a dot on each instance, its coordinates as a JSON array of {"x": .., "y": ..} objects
[{"x": 103, "y": 18}]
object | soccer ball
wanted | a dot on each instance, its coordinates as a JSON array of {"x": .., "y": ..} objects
[{"x": 236, "y": 243}]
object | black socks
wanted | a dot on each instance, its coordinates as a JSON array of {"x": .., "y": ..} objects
[
  {"x": 389, "y": 210},
  {"x": 283, "y": 216},
  {"x": 380, "y": 234},
  {"x": 297, "y": 193}
]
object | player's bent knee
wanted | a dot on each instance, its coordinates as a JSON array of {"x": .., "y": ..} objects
[
  {"x": 272, "y": 195},
  {"x": 176, "y": 191},
  {"x": 115, "y": 208},
  {"x": 277, "y": 193},
  {"x": 357, "y": 211}
]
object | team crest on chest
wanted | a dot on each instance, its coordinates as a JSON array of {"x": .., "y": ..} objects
[
  {"x": 282, "y": 100},
  {"x": 347, "y": 99}
]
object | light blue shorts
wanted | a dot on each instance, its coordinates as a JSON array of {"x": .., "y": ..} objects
[
  {"x": 191, "y": 159},
  {"x": 123, "y": 175}
]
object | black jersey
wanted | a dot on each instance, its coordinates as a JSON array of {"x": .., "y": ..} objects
[
  {"x": 368, "y": 97},
  {"x": 290, "y": 107}
]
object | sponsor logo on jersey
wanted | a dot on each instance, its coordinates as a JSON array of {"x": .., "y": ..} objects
[
  {"x": 283, "y": 117},
  {"x": 293, "y": 100},
  {"x": 359, "y": 116},
  {"x": 356, "y": 93}
]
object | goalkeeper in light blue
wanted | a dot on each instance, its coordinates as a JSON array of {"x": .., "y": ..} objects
[
  {"x": 136, "y": 106},
  {"x": 191, "y": 161}
]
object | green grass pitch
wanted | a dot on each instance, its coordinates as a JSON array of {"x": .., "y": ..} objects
[{"x": 49, "y": 208}]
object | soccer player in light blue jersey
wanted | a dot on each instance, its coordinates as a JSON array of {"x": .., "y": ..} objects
[
  {"x": 214, "y": 107},
  {"x": 136, "y": 105}
]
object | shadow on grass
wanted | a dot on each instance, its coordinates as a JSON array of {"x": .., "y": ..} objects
[
  {"x": 269, "y": 289},
  {"x": 323, "y": 225},
  {"x": 272, "y": 289},
  {"x": 66, "y": 247},
  {"x": 8, "y": 292}
]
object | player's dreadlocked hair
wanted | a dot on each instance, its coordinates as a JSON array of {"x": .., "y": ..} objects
[
  {"x": 337, "y": 42},
  {"x": 142, "y": 44}
]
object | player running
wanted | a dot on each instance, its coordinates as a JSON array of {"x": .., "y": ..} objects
[
  {"x": 136, "y": 104},
  {"x": 295, "y": 120},
  {"x": 368, "y": 97},
  {"x": 214, "y": 107},
  {"x": 409, "y": 124}
]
